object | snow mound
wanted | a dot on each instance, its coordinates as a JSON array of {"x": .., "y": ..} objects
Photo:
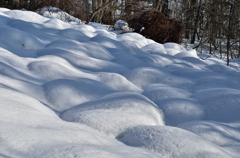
[
  {"x": 130, "y": 40},
  {"x": 171, "y": 142},
  {"x": 21, "y": 40},
  {"x": 220, "y": 68},
  {"x": 57, "y": 68},
  {"x": 108, "y": 42},
  {"x": 191, "y": 53},
  {"x": 98, "y": 27},
  {"x": 84, "y": 62},
  {"x": 13, "y": 99},
  {"x": 216, "y": 81},
  {"x": 115, "y": 113},
  {"x": 27, "y": 16},
  {"x": 52, "y": 24},
  {"x": 220, "y": 102},
  {"x": 155, "y": 48},
  {"x": 179, "y": 110},
  {"x": 179, "y": 51},
  {"x": 86, "y": 49},
  {"x": 58, "y": 14},
  {"x": 92, "y": 150},
  {"x": 10, "y": 71},
  {"x": 74, "y": 35},
  {"x": 144, "y": 76},
  {"x": 158, "y": 92},
  {"x": 174, "y": 46},
  {"x": 86, "y": 30},
  {"x": 63, "y": 94},
  {"x": 221, "y": 134},
  {"x": 121, "y": 26},
  {"x": 117, "y": 82}
]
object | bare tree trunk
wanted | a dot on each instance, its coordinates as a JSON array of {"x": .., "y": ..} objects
[
  {"x": 158, "y": 6},
  {"x": 187, "y": 19},
  {"x": 203, "y": 35},
  {"x": 16, "y": 4},
  {"x": 196, "y": 23},
  {"x": 98, "y": 10},
  {"x": 112, "y": 11},
  {"x": 229, "y": 32},
  {"x": 94, "y": 5},
  {"x": 238, "y": 49},
  {"x": 165, "y": 10},
  {"x": 100, "y": 13}
]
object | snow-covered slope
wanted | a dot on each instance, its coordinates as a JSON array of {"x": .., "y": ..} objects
[{"x": 74, "y": 90}]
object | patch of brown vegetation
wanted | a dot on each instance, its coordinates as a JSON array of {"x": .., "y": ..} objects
[{"x": 157, "y": 26}]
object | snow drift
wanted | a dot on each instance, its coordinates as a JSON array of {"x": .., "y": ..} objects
[{"x": 76, "y": 90}]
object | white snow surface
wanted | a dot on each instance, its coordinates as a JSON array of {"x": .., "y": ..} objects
[
  {"x": 58, "y": 14},
  {"x": 74, "y": 90},
  {"x": 121, "y": 26}
]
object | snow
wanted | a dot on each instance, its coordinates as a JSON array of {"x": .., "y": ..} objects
[
  {"x": 125, "y": 110},
  {"x": 121, "y": 26},
  {"x": 221, "y": 134},
  {"x": 83, "y": 90},
  {"x": 58, "y": 14},
  {"x": 73, "y": 90},
  {"x": 168, "y": 140}
]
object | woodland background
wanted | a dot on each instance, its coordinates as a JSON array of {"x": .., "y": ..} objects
[{"x": 209, "y": 24}]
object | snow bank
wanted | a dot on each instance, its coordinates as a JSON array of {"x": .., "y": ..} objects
[
  {"x": 30, "y": 129},
  {"x": 26, "y": 16},
  {"x": 157, "y": 92},
  {"x": 74, "y": 35},
  {"x": 21, "y": 39},
  {"x": 58, "y": 68},
  {"x": 220, "y": 102},
  {"x": 11, "y": 99},
  {"x": 84, "y": 62},
  {"x": 144, "y": 76},
  {"x": 86, "y": 49},
  {"x": 115, "y": 113},
  {"x": 130, "y": 39},
  {"x": 154, "y": 48},
  {"x": 171, "y": 142},
  {"x": 63, "y": 94},
  {"x": 179, "y": 110},
  {"x": 176, "y": 104},
  {"x": 221, "y": 134}
]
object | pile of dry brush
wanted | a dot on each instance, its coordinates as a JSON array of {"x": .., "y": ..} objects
[{"x": 153, "y": 24}]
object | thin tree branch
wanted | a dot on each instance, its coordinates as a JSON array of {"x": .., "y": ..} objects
[{"x": 98, "y": 10}]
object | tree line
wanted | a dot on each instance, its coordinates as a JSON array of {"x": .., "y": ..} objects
[{"x": 215, "y": 23}]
